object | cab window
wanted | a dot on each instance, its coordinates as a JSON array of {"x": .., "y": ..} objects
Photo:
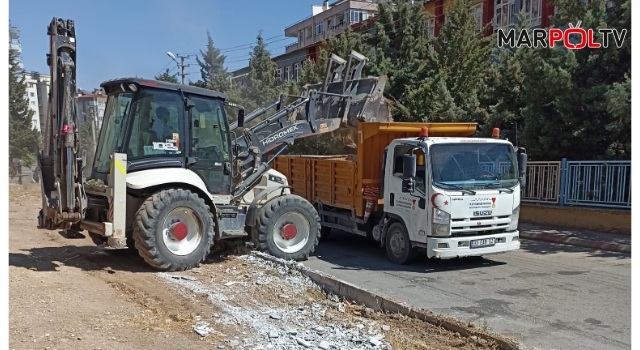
[{"x": 157, "y": 126}]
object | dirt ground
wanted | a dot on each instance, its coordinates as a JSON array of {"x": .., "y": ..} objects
[{"x": 67, "y": 294}]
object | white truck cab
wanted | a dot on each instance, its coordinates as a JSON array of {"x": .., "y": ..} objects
[{"x": 453, "y": 197}]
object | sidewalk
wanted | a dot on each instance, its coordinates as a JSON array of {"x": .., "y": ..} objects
[{"x": 582, "y": 238}]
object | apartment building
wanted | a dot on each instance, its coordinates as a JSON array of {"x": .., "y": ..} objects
[
  {"x": 325, "y": 20},
  {"x": 497, "y": 13},
  {"x": 332, "y": 19},
  {"x": 38, "y": 94},
  {"x": 91, "y": 107}
]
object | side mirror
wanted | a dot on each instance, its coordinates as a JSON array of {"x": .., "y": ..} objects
[
  {"x": 241, "y": 118},
  {"x": 409, "y": 166},
  {"x": 522, "y": 164},
  {"x": 408, "y": 173}
]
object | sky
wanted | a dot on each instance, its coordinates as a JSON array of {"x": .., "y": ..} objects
[{"x": 123, "y": 38}]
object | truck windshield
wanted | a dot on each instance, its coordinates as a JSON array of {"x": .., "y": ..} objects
[
  {"x": 473, "y": 165},
  {"x": 113, "y": 130}
]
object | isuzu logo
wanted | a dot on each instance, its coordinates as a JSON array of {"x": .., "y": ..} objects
[{"x": 278, "y": 136}]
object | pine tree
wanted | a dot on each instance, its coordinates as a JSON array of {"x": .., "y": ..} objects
[
  {"x": 578, "y": 102},
  {"x": 453, "y": 85},
  {"x": 23, "y": 138},
  {"x": 401, "y": 51},
  {"x": 260, "y": 89},
  {"x": 171, "y": 78},
  {"x": 214, "y": 75}
]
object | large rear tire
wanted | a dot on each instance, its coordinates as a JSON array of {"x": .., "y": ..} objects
[
  {"x": 173, "y": 230},
  {"x": 288, "y": 227}
]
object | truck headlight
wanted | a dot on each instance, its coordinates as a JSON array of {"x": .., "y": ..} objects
[
  {"x": 515, "y": 216},
  {"x": 441, "y": 223}
]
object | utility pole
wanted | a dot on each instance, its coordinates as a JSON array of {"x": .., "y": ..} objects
[{"x": 180, "y": 64}]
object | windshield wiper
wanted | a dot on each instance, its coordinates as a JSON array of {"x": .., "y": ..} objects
[
  {"x": 456, "y": 187},
  {"x": 504, "y": 189}
]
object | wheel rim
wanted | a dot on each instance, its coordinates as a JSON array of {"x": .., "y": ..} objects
[
  {"x": 396, "y": 243},
  {"x": 182, "y": 231},
  {"x": 291, "y": 232}
]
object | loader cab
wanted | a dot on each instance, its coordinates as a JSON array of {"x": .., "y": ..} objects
[{"x": 164, "y": 125}]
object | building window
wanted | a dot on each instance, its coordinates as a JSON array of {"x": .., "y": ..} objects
[
  {"x": 431, "y": 27},
  {"x": 32, "y": 85},
  {"x": 503, "y": 14},
  {"x": 340, "y": 19},
  {"x": 353, "y": 16},
  {"x": 287, "y": 76},
  {"x": 31, "y": 94},
  {"x": 33, "y": 103},
  {"x": 301, "y": 37},
  {"x": 319, "y": 28},
  {"x": 477, "y": 14},
  {"x": 308, "y": 32},
  {"x": 533, "y": 10},
  {"x": 280, "y": 77},
  {"x": 296, "y": 71}
]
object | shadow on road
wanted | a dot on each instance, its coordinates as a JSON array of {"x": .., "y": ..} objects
[
  {"x": 546, "y": 248},
  {"x": 351, "y": 252},
  {"x": 91, "y": 258}
]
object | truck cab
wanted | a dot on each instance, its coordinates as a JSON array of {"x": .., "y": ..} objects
[{"x": 451, "y": 196}]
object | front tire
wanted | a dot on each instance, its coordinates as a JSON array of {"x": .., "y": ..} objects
[
  {"x": 288, "y": 227},
  {"x": 173, "y": 230},
  {"x": 398, "y": 244}
]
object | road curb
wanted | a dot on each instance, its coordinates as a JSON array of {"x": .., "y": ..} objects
[
  {"x": 575, "y": 241},
  {"x": 380, "y": 303}
]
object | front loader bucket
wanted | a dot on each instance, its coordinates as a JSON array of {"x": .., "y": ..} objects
[{"x": 365, "y": 102}]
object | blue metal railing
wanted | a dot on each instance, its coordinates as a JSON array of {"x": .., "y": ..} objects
[
  {"x": 604, "y": 184},
  {"x": 596, "y": 183}
]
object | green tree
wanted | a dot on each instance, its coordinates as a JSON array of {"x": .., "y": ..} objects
[
  {"x": 23, "y": 138},
  {"x": 260, "y": 88},
  {"x": 214, "y": 75},
  {"x": 171, "y": 78},
  {"x": 401, "y": 51},
  {"x": 453, "y": 84},
  {"x": 578, "y": 102}
]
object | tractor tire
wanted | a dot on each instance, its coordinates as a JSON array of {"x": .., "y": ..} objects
[
  {"x": 288, "y": 227},
  {"x": 398, "y": 244},
  {"x": 173, "y": 230}
]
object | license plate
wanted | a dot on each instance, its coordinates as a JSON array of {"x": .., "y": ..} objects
[
  {"x": 482, "y": 213},
  {"x": 479, "y": 243}
]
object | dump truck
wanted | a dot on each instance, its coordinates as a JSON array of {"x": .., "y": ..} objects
[
  {"x": 172, "y": 176},
  {"x": 417, "y": 187}
]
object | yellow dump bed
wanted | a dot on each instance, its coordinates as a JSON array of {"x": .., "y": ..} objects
[{"x": 348, "y": 182}]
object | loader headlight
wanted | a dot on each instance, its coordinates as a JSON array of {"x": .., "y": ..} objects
[
  {"x": 515, "y": 216},
  {"x": 441, "y": 223}
]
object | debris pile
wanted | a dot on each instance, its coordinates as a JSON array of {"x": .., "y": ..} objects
[{"x": 293, "y": 317}]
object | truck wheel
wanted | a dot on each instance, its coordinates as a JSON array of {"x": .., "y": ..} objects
[
  {"x": 398, "y": 245},
  {"x": 173, "y": 230},
  {"x": 288, "y": 228}
]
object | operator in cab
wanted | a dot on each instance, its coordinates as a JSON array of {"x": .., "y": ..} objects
[{"x": 160, "y": 127}]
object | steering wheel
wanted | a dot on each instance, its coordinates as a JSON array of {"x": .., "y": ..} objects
[
  {"x": 489, "y": 175},
  {"x": 205, "y": 153}
]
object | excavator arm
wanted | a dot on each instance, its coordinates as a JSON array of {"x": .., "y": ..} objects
[
  {"x": 63, "y": 197},
  {"x": 342, "y": 101}
]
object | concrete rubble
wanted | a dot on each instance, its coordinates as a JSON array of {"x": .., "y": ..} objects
[{"x": 297, "y": 325}]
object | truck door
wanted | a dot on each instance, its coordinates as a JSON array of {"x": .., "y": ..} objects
[
  {"x": 210, "y": 144},
  {"x": 410, "y": 207}
]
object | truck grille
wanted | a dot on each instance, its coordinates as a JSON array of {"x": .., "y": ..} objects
[{"x": 479, "y": 226}]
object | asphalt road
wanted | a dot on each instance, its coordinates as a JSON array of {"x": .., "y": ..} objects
[{"x": 547, "y": 296}]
